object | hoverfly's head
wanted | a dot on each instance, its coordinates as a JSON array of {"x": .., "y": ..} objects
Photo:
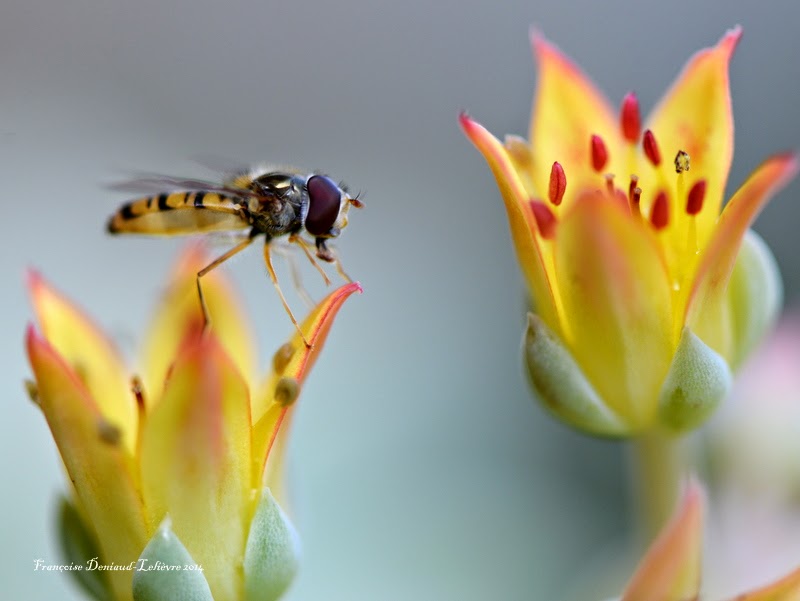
[{"x": 328, "y": 204}]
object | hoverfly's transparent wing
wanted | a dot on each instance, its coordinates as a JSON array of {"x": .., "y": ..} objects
[{"x": 153, "y": 183}]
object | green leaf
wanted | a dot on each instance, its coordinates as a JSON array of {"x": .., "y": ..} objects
[
  {"x": 698, "y": 379},
  {"x": 272, "y": 552},
  {"x": 561, "y": 385},
  {"x": 78, "y": 546},
  {"x": 166, "y": 571}
]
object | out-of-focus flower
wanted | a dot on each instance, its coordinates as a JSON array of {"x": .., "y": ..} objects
[
  {"x": 645, "y": 295},
  {"x": 671, "y": 569},
  {"x": 183, "y": 466},
  {"x": 754, "y": 450}
]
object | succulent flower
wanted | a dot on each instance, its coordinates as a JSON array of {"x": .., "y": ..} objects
[
  {"x": 175, "y": 473},
  {"x": 645, "y": 295}
]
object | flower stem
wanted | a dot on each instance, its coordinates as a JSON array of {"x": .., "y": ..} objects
[{"x": 658, "y": 464}]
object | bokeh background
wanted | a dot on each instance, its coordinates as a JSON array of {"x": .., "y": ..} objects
[{"x": 420, "y": 467}]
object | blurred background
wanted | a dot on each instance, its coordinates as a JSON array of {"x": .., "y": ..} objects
[{"x": 420, "y": 466}]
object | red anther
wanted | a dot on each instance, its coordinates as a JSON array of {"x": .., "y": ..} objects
[
  {"x": 629, "y": 118},
  {"x": 558, "y": 184},
  {"x": 545, "y": 219},
  {"x": 633, "y": 186},
  {"x": 659, "y": 214},
  {"x": 609, "y": 177},
  {"x": 694, "y": 202},
  {"x": 651, "y": 150},
  {"x": 599, "y": 153}
]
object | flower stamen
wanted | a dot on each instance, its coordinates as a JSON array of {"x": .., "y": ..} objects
[
  {"x": 682, "y": 162},
  {"x": 659, "y": 214},
  {"x": 630, "y": 123},
  {"x": 697, "y": 194},
  {"x": 599, "y": 153},
  {"x": 558, "y": 184},
  {"x": 650, "y": 147},
  {"x": 636, "y": 198}
]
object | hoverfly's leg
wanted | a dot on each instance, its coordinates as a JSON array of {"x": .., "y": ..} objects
[
  {"x": 297, "y": 280},
  {"x": 215, "y": 263},
  {"x": 296, "y": 239},
  {"x": 329, "y": 255},
  {"x": 274, "y": 278}
]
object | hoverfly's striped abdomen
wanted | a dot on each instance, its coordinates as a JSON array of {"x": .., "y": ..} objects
[{"x": 179, "y": 213}]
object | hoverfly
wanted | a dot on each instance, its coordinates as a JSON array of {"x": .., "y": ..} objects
[{"x": 274, "y": 203}]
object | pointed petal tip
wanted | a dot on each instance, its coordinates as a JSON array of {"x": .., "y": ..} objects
[{"x": 730, "y": 40}]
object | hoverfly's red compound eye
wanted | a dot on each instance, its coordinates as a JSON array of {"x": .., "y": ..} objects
[{"x": 324, "y": 201}]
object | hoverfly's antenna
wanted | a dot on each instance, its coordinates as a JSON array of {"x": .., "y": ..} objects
[{"x": 356, "y": 201}]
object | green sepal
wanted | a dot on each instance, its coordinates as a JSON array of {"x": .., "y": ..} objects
[
  {"x": 78, "y": 546},
  {"x": 272, "y": 552},
  {"x": 183, "y": 581},
  {"x": 698, "y": 379},
  {"x": 756, "y": 296},
  {"x": 561, "y": 386}
]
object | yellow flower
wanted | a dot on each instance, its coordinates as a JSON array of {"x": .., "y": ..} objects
[
  {"x": 645, "y": 295},
  {"x": 183, "y": 467},
  {"x": 671, "y": 570}
]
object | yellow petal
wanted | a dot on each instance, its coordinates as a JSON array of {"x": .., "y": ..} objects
[
  {"x": 529, "y": 252},
  {"x": 786, "y": 589},
  {"x": 270, "y": 416},
  {"x": 707, "y": 311},
  {"x": 195, "y": 459},
  {"x": 670, "y": 571},
  {"x": 695, "y": 116},
  {"x": 616, "y": 292},
  {"x": 567, "y": 110},
  {"x": 89, "y": 354},
  {"x": 101, "y": 471},
  {"x": 179, "y": 312}
]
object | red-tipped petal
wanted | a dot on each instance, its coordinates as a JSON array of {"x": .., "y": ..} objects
[
  {"x": 603, "y": 254},
  {"x": 719, "y": 256},
  {"x": 178, "y": 312},
  {"x": 89, "y": 353},
  {"x": 515, "y": 197},
  {"x": 195, "y": 460},
  {"x": 270, "y": 414},
  {"x": 568, "y": 109},
  {"x": 671, "y": 569},
  {"x": 101, "y": 471},
  {"x": 695, "y": 116}
]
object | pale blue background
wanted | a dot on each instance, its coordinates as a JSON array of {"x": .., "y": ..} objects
[{"x": 421, "y": 468}]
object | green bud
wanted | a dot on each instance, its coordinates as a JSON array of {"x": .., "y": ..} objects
[
  {"x": 698, "y": 379},
  {"x": 756, "y": 295},
  {"x": 78, "y": 546},
  {"x": 183, "y": 580},
  {"x": 561, "y": 385},
  {"x": 272, "y": 552}
]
